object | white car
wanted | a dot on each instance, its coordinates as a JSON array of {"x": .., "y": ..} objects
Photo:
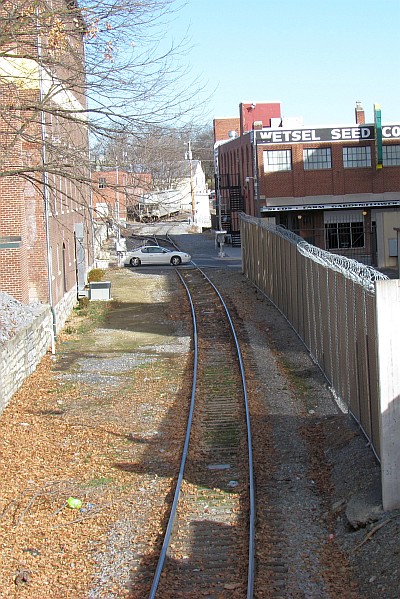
[{"x": 155, "y": 254}]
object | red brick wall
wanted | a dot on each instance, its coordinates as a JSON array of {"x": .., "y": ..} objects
[
  {"x": 235, "y": 158},
  {"x": 335, "y": 181},
  {"x": 260, "y": 112},
  {"x": 222, "y": 127},
  {"x": 23, "y": 269},
  {"x": 114, "y": 191},
  {"x": 14, "y": 262}
]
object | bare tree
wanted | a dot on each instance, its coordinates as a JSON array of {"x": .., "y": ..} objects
[
  {"x": 203, "y": 150},
  {"x": 160, "y": 151},
  {"x": 70, "y": 71}
]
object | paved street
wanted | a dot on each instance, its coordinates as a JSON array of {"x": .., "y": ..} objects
[{"x": 201, "y": 246}]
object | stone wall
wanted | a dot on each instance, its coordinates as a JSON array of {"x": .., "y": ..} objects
[
  {"x": 20, "y": 355},
  {"x": 64, "y": 308}
]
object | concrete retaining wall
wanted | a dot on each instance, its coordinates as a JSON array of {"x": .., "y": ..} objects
[{"x": 388, "y": 319}]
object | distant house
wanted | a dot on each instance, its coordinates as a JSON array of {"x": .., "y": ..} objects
[
  {"x": 45, "y": 220},
  {"x": 110, "y": 194},
  {"x": 195, "y": 195},
  {"x": 118, "y": 194}
]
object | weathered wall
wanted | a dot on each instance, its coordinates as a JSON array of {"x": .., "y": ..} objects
[{"x": 20, "y": 355}]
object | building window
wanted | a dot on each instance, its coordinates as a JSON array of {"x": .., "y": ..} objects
[
  {"x": 391, "y": 155},
  {"x": 317, "y": 159},
  {"x": 102, "y": 183},
  {"x": 277, "y": 160},
  {"x": 344, "y": 235},
  {"x": 356, "y": 157}
]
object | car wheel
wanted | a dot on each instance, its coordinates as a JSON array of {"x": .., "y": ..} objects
[
  {"x": 135, "y": 262},
  {"x": 175, "y": 260}
]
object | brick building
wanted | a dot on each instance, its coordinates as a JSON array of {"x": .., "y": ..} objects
[
  {"x": 110, "y": 190},
  {"x": 118, "y": 194},
  {"x": 338, "y": 186},
  {"x": 45, "y": 196}
]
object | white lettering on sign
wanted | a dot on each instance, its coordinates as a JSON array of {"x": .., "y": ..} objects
[
  {"x": 282, "y": 136},
  {"x": 289, "y": 136},
  {"x": 391, "y": 131},
  {"x": 351, "y": 133}
]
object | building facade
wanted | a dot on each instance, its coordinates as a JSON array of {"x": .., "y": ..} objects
[
  {"x": 110, "y": 191},
  {"x": 118, "y": 194},
  {"x": 338, "y": 187},
  {"x": 45, "y": 193}
]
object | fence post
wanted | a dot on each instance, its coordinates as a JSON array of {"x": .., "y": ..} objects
[{"x": 388, "y": 344}]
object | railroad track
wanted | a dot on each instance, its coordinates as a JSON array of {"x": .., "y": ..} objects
[
  {"x": 208, "y": 551},
  {"x": 208, "y": 547}
]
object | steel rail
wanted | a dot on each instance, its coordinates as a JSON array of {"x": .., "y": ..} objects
[
  {"x": 252, "y": 510},
  {"x": 251, "y": 550},
  {"x": 250, "y": 578},
  {"x": 167, "y": 536}
]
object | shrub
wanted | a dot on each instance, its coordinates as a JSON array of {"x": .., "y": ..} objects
[
  {"x": 95, "y": 275},
  {"x": 83, "y": 303}
]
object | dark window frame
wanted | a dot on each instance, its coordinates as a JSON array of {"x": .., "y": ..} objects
[
  {"x": 317, "y": 159},
  {"x": 357, "y": 157}
]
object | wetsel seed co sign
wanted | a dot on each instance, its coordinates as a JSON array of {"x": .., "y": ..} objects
[{"x": 360, "y": 133}]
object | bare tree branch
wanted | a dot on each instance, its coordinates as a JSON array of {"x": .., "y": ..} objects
[{"x": 97, "y": 68}]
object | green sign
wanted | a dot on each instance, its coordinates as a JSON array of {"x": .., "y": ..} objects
[{"x": 378, "y": 135}]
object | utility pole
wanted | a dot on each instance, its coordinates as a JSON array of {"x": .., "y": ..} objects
[
  {"x": 116, "y": 207},
  {"x": 189, "y": 157}
]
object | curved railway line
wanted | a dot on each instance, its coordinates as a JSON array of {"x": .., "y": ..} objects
[
  {"x": 107, "y": 421},
  {"x": 208, "y": 548},
  {"x": 223, "y": 539}
]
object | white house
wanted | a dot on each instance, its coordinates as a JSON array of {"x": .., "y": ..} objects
[{"x": 195, "y": 195}]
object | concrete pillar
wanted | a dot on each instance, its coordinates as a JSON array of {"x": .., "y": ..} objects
[{"x": 388, "y": 338}]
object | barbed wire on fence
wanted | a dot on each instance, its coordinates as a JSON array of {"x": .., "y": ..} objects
[{"x": 351, "y": 269}]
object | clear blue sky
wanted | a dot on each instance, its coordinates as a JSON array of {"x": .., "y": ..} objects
[{"x": 317, "y": 57}]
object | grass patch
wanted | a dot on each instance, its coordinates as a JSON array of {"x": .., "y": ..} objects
[
  {"x": 102, "y": 481},
  {"x": 295, "y": 378},
  {"x": 87, "y": 316}
]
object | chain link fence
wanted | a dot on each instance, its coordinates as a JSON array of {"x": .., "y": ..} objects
[{"x": 329, "y": 300}]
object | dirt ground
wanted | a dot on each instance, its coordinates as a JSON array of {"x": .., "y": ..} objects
[
  {"x": 99, "y": 423},
  {"x": 87, "y": 425}
]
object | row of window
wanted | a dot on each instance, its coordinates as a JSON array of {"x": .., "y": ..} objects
[{"x": 321, "y": 158}]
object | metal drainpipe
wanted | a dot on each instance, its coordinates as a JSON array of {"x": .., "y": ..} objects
[
  {"x": 255, "y": 175},
  {"x": 221, "y": 252},
  {"x": 46, "y": 190}
]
